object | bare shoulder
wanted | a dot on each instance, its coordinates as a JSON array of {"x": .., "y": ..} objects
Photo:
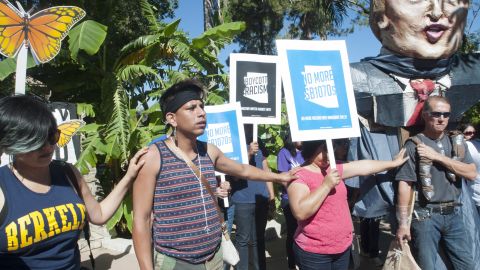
[
  {"x": 213, "y": 152},
  {"x": 151, "y": 153},
  {"x": 152, "y": 162}
]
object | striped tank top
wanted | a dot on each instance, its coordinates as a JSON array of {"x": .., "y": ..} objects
[{"x": 186, "y": 224}]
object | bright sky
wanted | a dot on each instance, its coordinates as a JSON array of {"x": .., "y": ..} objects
[{"x": 360, "y": 44}]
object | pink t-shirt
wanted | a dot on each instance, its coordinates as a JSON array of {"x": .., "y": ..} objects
[{"x": 329, "y": 231}]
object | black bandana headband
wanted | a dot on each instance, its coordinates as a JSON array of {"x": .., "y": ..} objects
[{"x": 180, "y": 98}]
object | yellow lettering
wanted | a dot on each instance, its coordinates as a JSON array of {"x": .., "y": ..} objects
[
  {"x": 75, "y": 223},
  {"x": 24, "y": 238},
  {"x": 66, "y": 226},
  {"x": 39, "y": 226},
  {"x": 81, "y": 206},
  {"x": 12, "y": 234},
  {"x": 53, "y": 228}
]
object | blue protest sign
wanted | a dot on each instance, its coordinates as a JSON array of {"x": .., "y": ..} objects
[
  {"x": 318, "y": 89},
  {"x": 225, "y": 130}
]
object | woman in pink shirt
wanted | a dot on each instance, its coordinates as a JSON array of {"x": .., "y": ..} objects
[{"x": 318, "y": 199}]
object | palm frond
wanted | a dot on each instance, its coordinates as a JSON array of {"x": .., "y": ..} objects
[
  {"x": 132, "y": 72},
  {"x": 118, "y": 127}
]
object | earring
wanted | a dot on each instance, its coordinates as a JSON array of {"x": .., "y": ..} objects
[{"x": 175, "y": 132}]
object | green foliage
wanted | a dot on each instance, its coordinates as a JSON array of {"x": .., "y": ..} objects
[
  {"x": 264, "y": 20},
  {"x": 85, "y": 110},
  {"x": 87, "y": 36},
  {"x": 218, "y": 34},
  {"x": 318, "y": 18},
  {"x": 9, "y": 65},
  {"x": 470, "y": 42},
  {"x": 127, "y": 114},
  {"x": 472, "y": 115}
]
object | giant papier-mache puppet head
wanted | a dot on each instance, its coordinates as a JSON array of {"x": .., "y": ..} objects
[{"x": 423, "y": 29}]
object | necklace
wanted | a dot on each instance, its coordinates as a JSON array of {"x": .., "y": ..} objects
[{"x": 177, "y": 149}]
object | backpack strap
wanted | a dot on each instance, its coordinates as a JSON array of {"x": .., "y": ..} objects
[
  {"x": 72, "y": 179},
  {"x": 425, "y": 164},
  {"x": 458, "y": 145}
]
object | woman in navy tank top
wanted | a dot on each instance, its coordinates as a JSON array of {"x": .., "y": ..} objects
[{"x": 41, "y": 214}]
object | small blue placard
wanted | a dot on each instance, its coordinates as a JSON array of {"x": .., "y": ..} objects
[{"x": 225, "y": 130}]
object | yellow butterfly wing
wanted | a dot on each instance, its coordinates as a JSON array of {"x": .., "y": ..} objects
[
  {"x": 67, "y": 130},
  {"x": 47, "y": 28},
  {"x": 12, "y": 34}
]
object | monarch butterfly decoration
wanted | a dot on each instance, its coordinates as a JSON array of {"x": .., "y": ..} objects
[
  {"x": 68, "y": 130},
  {"x": 41, "y": 32}
]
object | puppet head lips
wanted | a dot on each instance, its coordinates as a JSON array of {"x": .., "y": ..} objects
[{"x": 434, "y": 32}]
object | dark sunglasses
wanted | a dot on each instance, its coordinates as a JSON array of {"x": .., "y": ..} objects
[
  {"x": 438, "y": 114},
  {"x": 469, "y": 133},
  {"x": 53, "y": 137}
]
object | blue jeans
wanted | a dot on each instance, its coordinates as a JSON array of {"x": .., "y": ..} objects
[
  {"x": 430, "y": 228},
  {"x": 251, "y": 220},
  {"x": 314, "y": 261}
]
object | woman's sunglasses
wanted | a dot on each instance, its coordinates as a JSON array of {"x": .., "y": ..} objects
[
  {"x": 469, "y": 133},
  {"x": 53, "y": 137}
]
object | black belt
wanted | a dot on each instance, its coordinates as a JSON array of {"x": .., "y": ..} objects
[{"x": 443, "y": 208}]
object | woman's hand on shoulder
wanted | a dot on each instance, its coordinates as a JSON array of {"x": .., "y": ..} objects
[
  {"x": 136, "y": 163},
  {"x": 400, "y": 158}
]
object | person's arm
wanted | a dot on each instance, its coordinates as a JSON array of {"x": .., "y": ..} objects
[
  {"x": 468, "y": 171},
  {"x": 304, "y": 203},
  {"x": 402, "y": 211},
  {"x": 143, "y": 191},
  {"x": 243, "y": 171},
  {"x": 368, "y": 167},
  {"x": 99, "y": 213},
  {"x": 271, "y": 192}
]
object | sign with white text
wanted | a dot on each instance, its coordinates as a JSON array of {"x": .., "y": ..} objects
[
  {"x": 225, "y": 130},
  {"x": 255, "y": 83},
  {"x": 318, "y": 89}
]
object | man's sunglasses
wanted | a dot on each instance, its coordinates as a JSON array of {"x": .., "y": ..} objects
[
  {"x": 469, "y": 133},
  {"x": 438, "y": 114}
]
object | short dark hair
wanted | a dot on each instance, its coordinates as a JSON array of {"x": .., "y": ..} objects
[
  {"x": 288, "y": 143},
  {"x": 167, "y": 100},
  {"x": 25, "y": 124},
  {"x": 464, "y": 125},
  {"x": 310, "y": 149}
]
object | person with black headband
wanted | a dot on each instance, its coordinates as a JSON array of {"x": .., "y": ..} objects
[{"x": 173, "y": 209}]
